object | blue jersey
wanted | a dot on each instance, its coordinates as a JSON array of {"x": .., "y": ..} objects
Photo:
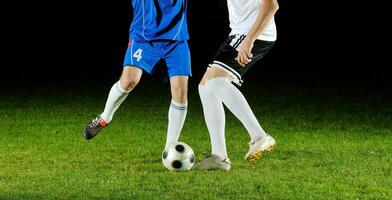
[{"x": 159, "y": 20}]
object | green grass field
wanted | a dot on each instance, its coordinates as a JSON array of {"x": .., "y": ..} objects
[{"x": 333, "y": 143}]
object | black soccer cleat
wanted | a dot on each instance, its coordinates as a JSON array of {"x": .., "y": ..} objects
[{"x": 92, "y": 129}]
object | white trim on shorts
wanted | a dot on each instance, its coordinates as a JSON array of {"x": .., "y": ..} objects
[{"x": 236, "y": 76}]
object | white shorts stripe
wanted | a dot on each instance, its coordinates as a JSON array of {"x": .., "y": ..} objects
[
  {"x": 236, "y": 76},
  {"x": 132, "y": 52}
]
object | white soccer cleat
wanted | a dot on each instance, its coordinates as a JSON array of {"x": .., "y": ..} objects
[
  {"x": 257, "y": 148},
  {"x": 213, "y": 162}
]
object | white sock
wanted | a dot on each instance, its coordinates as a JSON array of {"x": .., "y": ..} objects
[
  {"x": 237, "y": 104},
  {"x": 177, "y": 114},
  {"x": 116, "y": 96},
  {"x": 214, "y": 115}
]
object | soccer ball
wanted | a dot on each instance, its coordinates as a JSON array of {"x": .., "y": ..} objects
[{"x": 178, "y": 156}]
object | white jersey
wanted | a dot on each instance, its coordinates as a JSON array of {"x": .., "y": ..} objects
[{"x": 243, "y": 15}]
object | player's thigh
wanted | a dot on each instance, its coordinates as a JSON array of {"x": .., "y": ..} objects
[{"x": 213, "y": 72}]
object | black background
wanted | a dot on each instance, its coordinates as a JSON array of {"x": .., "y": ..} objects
[{"x": 318, "y": 41}]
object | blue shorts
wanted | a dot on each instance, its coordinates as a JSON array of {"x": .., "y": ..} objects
[{"x": 145, "y": 55}]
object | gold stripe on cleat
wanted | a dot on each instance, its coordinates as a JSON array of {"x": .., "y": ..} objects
[
  {"x": 271, "y": 148},
  {"x": 259, "y": 154},
  {"x": 256, "y": 156}
]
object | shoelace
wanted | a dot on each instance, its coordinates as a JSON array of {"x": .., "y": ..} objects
[{"x": 95, "y": 122}]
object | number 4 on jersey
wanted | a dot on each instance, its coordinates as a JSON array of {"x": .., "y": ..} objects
[{"x": 138, "y": 54}]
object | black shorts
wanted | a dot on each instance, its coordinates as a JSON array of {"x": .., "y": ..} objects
[{"x": 226, "y": 54}]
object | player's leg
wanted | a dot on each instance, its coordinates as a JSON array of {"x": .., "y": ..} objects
[
  {"x": 120, "y": 90},
  {"x": 179, "y": 70},
  {"x": 178, "y": 107},
  {"x": 218, "y": 80},
  {"x": 214, "y": 116},
  {"x": 139, "y": 56},
  {"x": 222, "y": 88},
  {"x": 129, "y": 79}
]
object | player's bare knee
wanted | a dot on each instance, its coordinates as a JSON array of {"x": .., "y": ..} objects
[
  {"x": 130, "y": 77},
  {"x": 179, "y": 88},
  {"x": 205, "y": 78},
  {"x": 181, "y": 91},
  {"x": 179, "y": 94},
  {"x": 128, "y": 83}
]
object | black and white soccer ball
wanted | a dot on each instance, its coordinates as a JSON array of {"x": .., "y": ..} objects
[{"x": 178, "y": 156}]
